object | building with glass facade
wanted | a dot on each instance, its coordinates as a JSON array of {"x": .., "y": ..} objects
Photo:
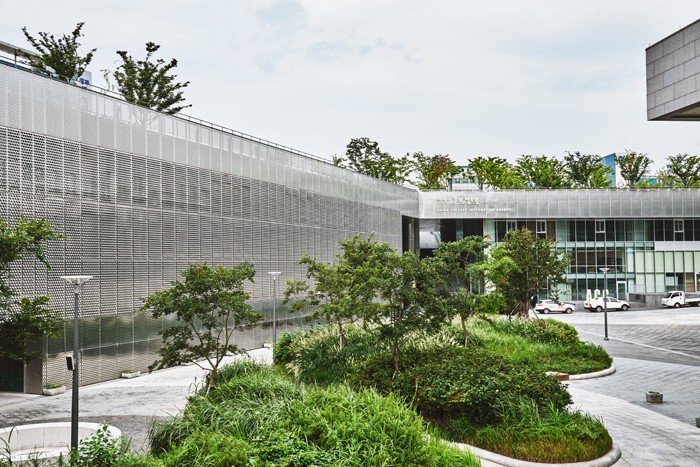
[{"x": 649, "y": 238}]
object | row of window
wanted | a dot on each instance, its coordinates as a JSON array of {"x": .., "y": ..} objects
[{"x": 601, "y": 230}]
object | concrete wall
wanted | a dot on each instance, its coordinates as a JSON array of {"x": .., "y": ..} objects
[{"x": 673, "y": 76}]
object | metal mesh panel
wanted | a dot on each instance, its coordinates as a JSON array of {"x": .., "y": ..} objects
[{"x": 140, "y": 195}]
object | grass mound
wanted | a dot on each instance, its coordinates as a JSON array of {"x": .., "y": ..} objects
[
  {"x": 493, "y": 394},
  {"x": 256, "y": 416}
]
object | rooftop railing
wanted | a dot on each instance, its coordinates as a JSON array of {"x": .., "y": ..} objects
[{"x": 19, "y": 63}]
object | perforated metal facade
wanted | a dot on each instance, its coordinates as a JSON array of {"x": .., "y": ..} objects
[{"x": 138, "y": 195}]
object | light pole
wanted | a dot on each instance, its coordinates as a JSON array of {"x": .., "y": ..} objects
[
  {"x": 274, "y": 275},
  {"x": 605, "y": 298},
  {"x": 77, "y": 282}
]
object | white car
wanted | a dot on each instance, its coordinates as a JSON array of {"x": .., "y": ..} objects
[
  {"x": 597, "y": 304},
  {"x": 545, "y": 306}
]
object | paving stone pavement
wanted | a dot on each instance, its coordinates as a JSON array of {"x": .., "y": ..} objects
[
  {"x": 652, "y": 350},
  {"x": 129, "y": 404}
]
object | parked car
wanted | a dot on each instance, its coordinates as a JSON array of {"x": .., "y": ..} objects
[
  {"x": 598, "y": 304},
  {"x": 678, "y": 298},
  {"x": 545, "y": 306}
]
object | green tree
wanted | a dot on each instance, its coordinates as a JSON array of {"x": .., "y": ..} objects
[
  {"x": 23, "y": 321},
  {"x": 494, "y": 173},
  {"x": 633, "y": 167},
  {"x": 523, "y": 265},
  {"x": 434, "y": 172},
  {"x": 542, "y": 171},
  {"x": 587, "y": 171},
  {"x": 343, "y": 290},
  {"x": 412, "y": 296},
  {"x": 684, "y": 170},
  {"x": 59, "y": 57},
  {"x": 463, "y": 263},
  {"x": 364, "y": 156},
  {"x": 149, "y": 83},
  {"x": 208, "y": 304}
]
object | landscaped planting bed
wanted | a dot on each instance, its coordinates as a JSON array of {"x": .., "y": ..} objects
[{"x": 492, "y": 393}]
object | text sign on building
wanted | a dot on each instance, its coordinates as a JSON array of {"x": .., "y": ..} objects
[{"x": 463, "y": 204}]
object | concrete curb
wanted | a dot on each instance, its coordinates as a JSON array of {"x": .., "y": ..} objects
[
  {"x": 605, "y": 461},
  {"x": 595, "y": 374}
]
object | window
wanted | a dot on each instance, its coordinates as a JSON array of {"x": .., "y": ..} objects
[
  {"x": 678, "y": 226},
  {"x": 541, "y": 227},
  {"x": 600, "y": 226},
  {"x": 511, "y": 225}
]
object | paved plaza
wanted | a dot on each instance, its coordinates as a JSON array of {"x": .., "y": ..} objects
[{"x": 652, "y": 350}]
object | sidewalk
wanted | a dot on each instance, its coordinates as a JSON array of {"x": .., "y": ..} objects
[{"x": 129, "y": 404}]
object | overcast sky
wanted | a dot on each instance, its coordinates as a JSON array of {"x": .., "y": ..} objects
[{"x": 464, "y": 78}]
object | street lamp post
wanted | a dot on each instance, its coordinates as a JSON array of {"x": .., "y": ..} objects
[
  {"x": 274, "y": 275},
  {"x": 605, "y": 298},
  {"x": 77, "y": 282}
]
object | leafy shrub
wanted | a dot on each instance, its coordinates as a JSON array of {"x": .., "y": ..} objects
[
  {"x": 542, "y": 435},
  {"x": 468, "y": 382},
  {"x": 315, "y": 356},
  {"x": 213, "y": 449},
  {"x": 282, "y": 352},
  {"x": 546, "y": 331},
  {"x": 101, "y": 448}
]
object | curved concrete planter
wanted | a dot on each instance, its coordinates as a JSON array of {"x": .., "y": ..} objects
[
  {"x": 607, "y": 460},
  {"x": 54, "y": 391},
  {"x": 44, "y": 440},
  {"x": 131, "y": 374},
  {"x": 595, "y": 374}
]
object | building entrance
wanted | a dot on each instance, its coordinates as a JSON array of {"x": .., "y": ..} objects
[{"x": 11, "y": 375}]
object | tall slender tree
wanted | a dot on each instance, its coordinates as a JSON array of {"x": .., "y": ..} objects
[
  {"x": 149, "y": 83},
  {"x": 59, "y": 57},
  {"x": 523, "y": 265}
]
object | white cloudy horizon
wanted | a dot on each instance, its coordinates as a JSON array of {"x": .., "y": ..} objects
[{"x": 463, "y": 78}]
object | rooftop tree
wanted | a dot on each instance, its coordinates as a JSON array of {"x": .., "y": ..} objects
[
  {"x": 364, "y": 156},
  {"x": 633, "y": 167},
  {"x": 149, "y": 83},
  {"x": 493, "y": 172},
  {"x": 683, "y": 170},
  {"x": 587, "y": 171},
  {"x": 434, "y": 172},
  {"x": 59, "y": 57},
  {"x": 542, "y": 171}
]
